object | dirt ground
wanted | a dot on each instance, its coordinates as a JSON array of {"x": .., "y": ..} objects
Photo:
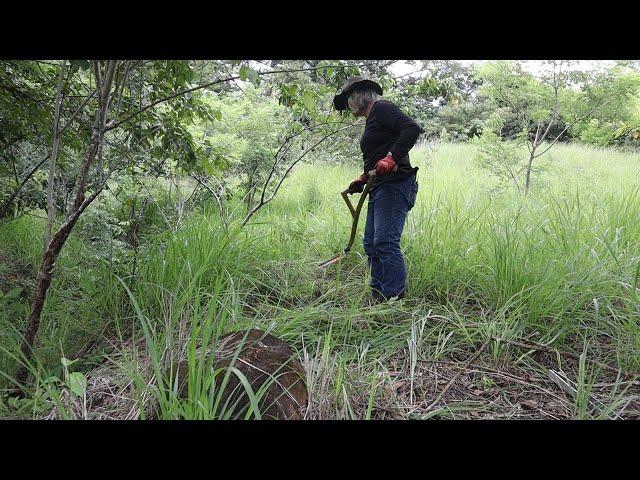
[{"x": 452, "y": 388}]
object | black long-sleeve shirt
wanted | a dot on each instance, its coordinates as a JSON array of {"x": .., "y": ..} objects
[{"x": 389, "y": 129}]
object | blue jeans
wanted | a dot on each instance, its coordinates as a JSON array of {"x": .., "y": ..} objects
[{"x": 387, "y": 211}]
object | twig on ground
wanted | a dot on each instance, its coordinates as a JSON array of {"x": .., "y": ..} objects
[
  {"x": 537, "y": 346},
  {"x": 455, "y": 377}
]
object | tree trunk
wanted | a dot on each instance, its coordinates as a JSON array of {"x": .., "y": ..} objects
[
  {"x": 251, "y": 184},
  {"x": 54, "y": 247},
  {"x": 44, "y": 282},
  {"x": 54, "y": 156},
  {"x": 529, "y": 165}
]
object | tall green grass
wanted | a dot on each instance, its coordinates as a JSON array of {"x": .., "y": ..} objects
[
  {"x": 538, "y": 263},
  {"x": 560, "y": 266}
]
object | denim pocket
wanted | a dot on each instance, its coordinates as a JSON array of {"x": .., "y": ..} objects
[{"x": 411, "y": 192}]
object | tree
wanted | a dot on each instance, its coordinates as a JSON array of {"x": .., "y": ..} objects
[
  {"x": 501, "y": 158},
  {"x": 121, "y": 90},
  {"x": 540, "y": 112}
]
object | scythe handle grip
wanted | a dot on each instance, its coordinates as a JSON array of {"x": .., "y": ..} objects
[{"x": 355, "y": 212}]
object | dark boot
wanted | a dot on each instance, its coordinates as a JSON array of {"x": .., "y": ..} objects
[{"x": 377, "y": 297}]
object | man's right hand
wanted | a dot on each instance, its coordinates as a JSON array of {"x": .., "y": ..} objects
[{"x": 357, "y": 186}]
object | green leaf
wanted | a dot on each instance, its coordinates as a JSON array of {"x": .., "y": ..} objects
[
  {"x": 620, "y": 131},
  {"x": 309, "y": 100},
  {"x": 81, "y": 64},
  {"x": 250, "y": 74},
  {"x": 206, "y": 166},
  {"x": 78, "y": 383},
  {"x": 66, "y": 362},
  {"x": 253, "y": 76}
]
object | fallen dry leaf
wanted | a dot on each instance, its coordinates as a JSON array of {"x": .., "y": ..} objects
[{"x": 529, "y": 404}]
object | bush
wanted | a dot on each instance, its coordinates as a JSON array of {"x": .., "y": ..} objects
[{"x": 598, "y": 133}]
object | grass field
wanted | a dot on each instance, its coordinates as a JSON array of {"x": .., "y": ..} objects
[{"x": 502, "y": 289}]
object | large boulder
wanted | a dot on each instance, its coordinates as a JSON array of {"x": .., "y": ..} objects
[{"x": 268, "y": 363}]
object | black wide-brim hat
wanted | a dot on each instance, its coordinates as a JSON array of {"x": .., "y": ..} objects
[{"x": 351, "y": 85}]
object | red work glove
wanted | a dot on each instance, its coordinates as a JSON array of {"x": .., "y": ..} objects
[
  {"x": 358, "y": 184},
  {"x": 385, "y": 165}
]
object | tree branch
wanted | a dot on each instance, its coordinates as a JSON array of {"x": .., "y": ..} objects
[
  {"x": 5, "y": 205},
  {"x": 11, "y": 142},
  {"x": 97, "y": 135},
  {"x": 215, "y": 195},
  {"x": 571, "y": 124},
  {"x": 54, "y": 156},
  {"x": 80, "y": 108},
  {"x": 286, "y": 144},
  {"x": 116, "y": 124},
  {"x": 124, "y": 81},
  {"x": 262, "y": 203}
]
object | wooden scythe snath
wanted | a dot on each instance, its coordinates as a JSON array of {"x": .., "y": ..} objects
[{"x": 355, "y": 214}]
